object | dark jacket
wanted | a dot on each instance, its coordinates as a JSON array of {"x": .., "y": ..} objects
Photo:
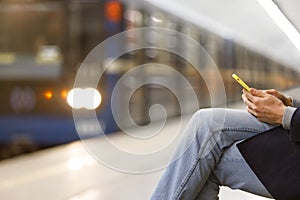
[{"x": 274, "y": 156}]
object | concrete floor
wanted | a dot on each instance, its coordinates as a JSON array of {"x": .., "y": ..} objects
[{"x": 69, "y": 172}]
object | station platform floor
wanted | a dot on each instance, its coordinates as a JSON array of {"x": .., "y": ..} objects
[{"x": 69, "y": 172}]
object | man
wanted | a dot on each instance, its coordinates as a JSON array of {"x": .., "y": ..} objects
[{"x": 207, "y": 156}]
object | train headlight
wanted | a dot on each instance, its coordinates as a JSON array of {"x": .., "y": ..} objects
[
  {"x": 89, "y": 98},
  {"x": 48, "y": 94}
]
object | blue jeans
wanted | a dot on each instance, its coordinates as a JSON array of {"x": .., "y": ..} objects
[{"x": 207, "y": 157}]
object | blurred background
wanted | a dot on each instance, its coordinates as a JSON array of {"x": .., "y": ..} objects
[{"x": 43, "y": 43}]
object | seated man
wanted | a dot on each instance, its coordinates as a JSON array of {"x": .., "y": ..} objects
[{"x": 207, "y": 156}]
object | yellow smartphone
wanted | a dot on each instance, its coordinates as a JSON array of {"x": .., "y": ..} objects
[{"x": 241, "y": 82}]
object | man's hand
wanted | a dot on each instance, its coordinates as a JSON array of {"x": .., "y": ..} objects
[
  {"x": 286, "y": 100},
  {"x": 264, "y": 106}
]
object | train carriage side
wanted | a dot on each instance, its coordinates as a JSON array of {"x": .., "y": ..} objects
[{"x": 42, "y": 44}]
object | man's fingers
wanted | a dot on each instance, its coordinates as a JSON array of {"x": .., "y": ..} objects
[
  {"x": 271, "y": 91},
  {"x": 251, "y": 111},
  {"x": 249, "y": 96},
  {"x": 257, "y": 93},
  {"x": 247, "y": 101}
]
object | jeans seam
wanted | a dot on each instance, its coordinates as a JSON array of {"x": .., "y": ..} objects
[
  {"x": 214, "y": 178},
  {"x": 186, "y": 178},
  {"x": 250, "y": 130},
  {"x": 247, "y": 129}
]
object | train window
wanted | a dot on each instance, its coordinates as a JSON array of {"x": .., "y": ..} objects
[
  {"x": 133, "y": 19},
  {"x": 31, "y": 40}
]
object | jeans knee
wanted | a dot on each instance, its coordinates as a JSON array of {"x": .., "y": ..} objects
[
  {"x": 205, "y": 132},
  {"x": 209, "y": 121},
  {"x": 203, "y": 115},
  {"x": 200, "y": 121}
]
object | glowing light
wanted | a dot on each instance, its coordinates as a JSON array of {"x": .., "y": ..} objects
[
  {"x": 88, "y": 98},
  {"x": 156, "y": 19},
  {"x": 280, "y": 19},
  {"x": 74, "y": 164},
  {"x": 48, "y": 95},
  {"x": 113, "y": 11},
  {"x": 64, "y": 94}
]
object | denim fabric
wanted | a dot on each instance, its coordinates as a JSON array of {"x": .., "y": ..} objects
[{"x": 207, "y": 157}]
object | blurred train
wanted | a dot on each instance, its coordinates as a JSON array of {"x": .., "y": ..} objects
[{"x": 43, "y": 43}]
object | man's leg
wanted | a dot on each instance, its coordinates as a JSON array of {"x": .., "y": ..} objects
[
  {"x": 210, "y": 190},
  {"x": 232, "y": 171},
  {"x": 208, "y": 133}
]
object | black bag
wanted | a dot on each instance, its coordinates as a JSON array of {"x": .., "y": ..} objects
[{"x": 276, "y": 162}]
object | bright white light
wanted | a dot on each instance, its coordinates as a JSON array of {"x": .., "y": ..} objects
[
  {"x": 88, "y": 98},
  {"x": 92, "y": 98},
  {"x": 73, "y": 98},
  {"x": 157, "y": 17},
  {"x": 279, "y": 18},
  {"x": 74, "y": 164}
]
